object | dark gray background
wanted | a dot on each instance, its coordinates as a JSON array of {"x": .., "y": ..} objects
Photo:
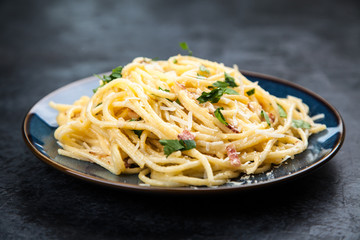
[{"x": 47, "y": 44}]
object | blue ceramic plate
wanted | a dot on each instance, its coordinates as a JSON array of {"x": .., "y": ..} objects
[{"x": 40, "y": 123}]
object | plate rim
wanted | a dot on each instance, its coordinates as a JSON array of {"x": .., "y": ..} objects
[{"x": 143, "y": 188}]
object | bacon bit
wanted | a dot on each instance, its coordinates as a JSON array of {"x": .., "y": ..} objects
[
  {"x": 98, "y": 154},
  {"x": 233, "y": 156},
  {"x": 232, "y": 128},
  {"x": 272, "y": 117},
  {"x": 186, "y": 135},
  {"x": 182, "y": 86},
  {"x": 126, "y": 163}
]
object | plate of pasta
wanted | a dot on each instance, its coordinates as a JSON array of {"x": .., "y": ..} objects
[{"x": 183, "y": 124}]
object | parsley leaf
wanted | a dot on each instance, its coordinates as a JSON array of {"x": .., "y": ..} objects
[
  {"x": 224, "y": 85},
  {"x": 220, "y": 84},
  {"x": 265, "y": 116},
  {"x": 138, "y": 132},
  {"x": 213, "y": 96},
  {"x": 188, "y": 144},
  {"x": 185, "y": 47},
  {"x": 282, "y": 112},
  {"x": 177, "y": 101},
  {"x": 250, "y": 92},
  {"x": 301, "y": 124},
  {"x": 171, "y": 146},
  {"x": 203, "y": 69},
  {"x": 216, "y": 93},
  {"x": 166, "y": 90},
  {"x": 220, "y": 116},
  {"x": 230, "y": 91},
  {"x": 175, "y": 61},
  {"x": 230, "y": 80},
  {"x": 116, "y": 73}
]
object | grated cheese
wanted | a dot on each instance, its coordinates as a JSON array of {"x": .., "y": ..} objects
[
  {"x": 137, "y": 146},
  {"x": 130, "y": 98},
  {"x": 269, "y": 134},
  {"x": 207, "y": 146},
  {"x": 168, "y": 108},
  {"x": 217, "y": 143},
  {"x": 235, "y": 122},
  {"x": 167, "y": 116},
  {"x": 177, "y": 105},
  {"x": 190, "y": 120},
  {"x": 179, "y": 120},
  {"x": 236, "y": 106}
]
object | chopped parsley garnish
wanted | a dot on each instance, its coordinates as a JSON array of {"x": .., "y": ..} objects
[
  {"x": 230, "y": 80},
  {"x": 301, "y": 124},
  {"x": 185, "y": 47},
  {"x": 116, "y": 73},
  {"x": 265, "y": 116},
  {"x": 177, "y": 101},
  {"x": 220, "y": 84},
  {"x": 203, "y": 70},
  {"x": 230, "y": 91},
  {"x": 171, "y": 146},
  {"x": 166, "y": 90},
  {"x": 221, "y": 88},
  {"x": 213, "y": 96},
  {"x": 138, "y": 132},
  {"x": 250, "y": 92},
  {"x": 220, "y": 116},
  {"x": 282, "y": 112},
  {"x": 175, "y": 61}
]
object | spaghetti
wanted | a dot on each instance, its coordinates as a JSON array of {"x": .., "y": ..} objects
[{"x": 184, "y": 121}]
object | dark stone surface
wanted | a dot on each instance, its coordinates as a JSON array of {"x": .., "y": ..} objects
[{"x": 47, "y": 44}]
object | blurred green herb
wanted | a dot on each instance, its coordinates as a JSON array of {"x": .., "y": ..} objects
[
  {"x": 171, "y": 146},
  {"x": 185, "y": 47},
  {"x": 250, "y": 92},
  {"x": 282, "y": 112},
  {"x": 266, "y": 117},
  {"x": 116, "y": 73},
  {"x": 301, "y": 124},
  {"x": 220, "y": 116}
]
